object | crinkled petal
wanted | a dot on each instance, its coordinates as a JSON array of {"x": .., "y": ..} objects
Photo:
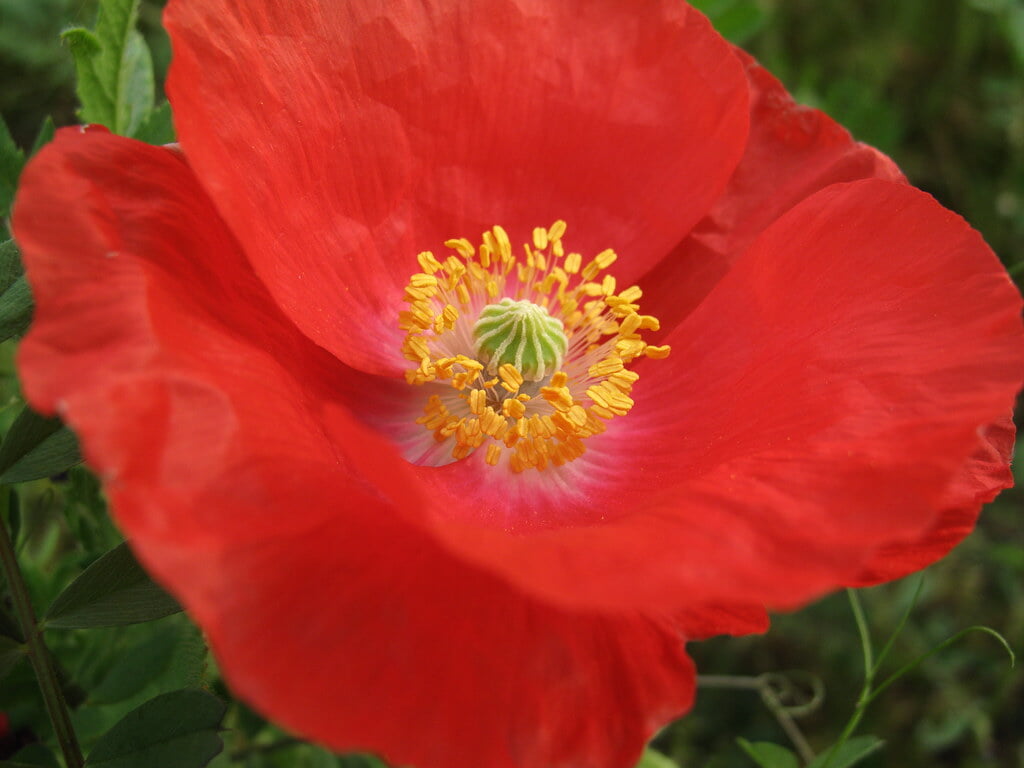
[
  {"x": 985, "y": 474},
  {"x": 287, "y": 529},
  {"x": 815, "y": 409},
  {"x": 792, "y": 152},
  {"x": 339, "y": 139}
]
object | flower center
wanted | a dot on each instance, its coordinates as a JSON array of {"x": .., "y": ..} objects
[
  {"x": 528, "y": 354},
  {"x": 522, "y": 334}
]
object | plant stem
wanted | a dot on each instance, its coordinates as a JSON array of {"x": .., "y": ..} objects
[
  {"x": 869, "y": 677},
  {"x": 38, "y": 653}
]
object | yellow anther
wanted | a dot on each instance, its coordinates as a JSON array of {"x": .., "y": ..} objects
[
  {"x": 428, "y": 263},
  {"x": 630, "y": 324},
  {"x": 512, "y": 408},
  {"x": 477, "y": 401},
  {"x": 649, "y": 323},
  {"x": 573, "y": 262},
  {"x": 560, "y": 379},
  {"x": 511, "y": 379},
  {"x": 631, "y": 295},
  {"x": 606, "y": 367},
  {"x": 504, "y": 244},
  {"x": 493, "y": 454},
  {"x": 462, "y": 245},
  {"x": 559, "y": 397},
  {"x": 556, "y": 230},
  {"x": 657, "y": 353},
  {"x": 540, "y": 238}
]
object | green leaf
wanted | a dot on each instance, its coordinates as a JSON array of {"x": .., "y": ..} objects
[
  {"x": 15, "y": 296},
  {"x": 45, "y": 135},
  {"x": 114, "y": 67},
  {"x": 136, "y": 668},
  {"x": 175, "y": 730},
  {"x": 768, "y": 755},
  {"x": 36, "y": 447},
  {"x": 735, "y": 20},
  {"x": 849, "y": 754},
  {"x": 11, "y": 652},
  {"x": 157, "y": 127},
  {"x": 654, "y": 759},
  {"x": 12, "y": 160},
  {"x": 113, "y": 591},
  {"x": 16, "y": 307}
]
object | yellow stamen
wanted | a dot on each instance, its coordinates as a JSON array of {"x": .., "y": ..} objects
[{"x": 540, "y": 423}]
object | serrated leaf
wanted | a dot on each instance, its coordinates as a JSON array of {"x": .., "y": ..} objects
[
  {"x": 654, "y": 759},
  {"x": 157, "y": 127},
  {"x": 175, "y": 730},
  {"x": 12, "y": 160},
  {"x": 114, "y": 68},
  {"x": 768, "y": 755},
  {"x": 111, "y": 592},
  {"x": 851, "y": 753},
  {"x": 36, "y": 447},
  {"x": 11, "y": 652}
]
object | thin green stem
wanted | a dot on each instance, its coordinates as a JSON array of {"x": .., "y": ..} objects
[
  {"x": 910, "y": 666},
  {"x": 1016, "y": 270},
  {"x": 38, "y": 653},
  {"x": 899, "y": 627},
  {"x": 869, "y": 675},
  {"x": 865, "y": 636}
]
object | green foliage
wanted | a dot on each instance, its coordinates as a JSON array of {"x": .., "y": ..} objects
[
  {"x": 849, "y": 754},
  {"x": 113, "y": 591},
  {"x": 15, "y": 296},
  {"x": 12, "y": 159},
  {"x": 36, "y": 447},
  {"x": 768, "y": 755},
  {"x": 114, "y": 67},
  {"x": 654, "y": 759},
  {"x": 738, "y": 20},
  {"x": 175, "y": 730}
]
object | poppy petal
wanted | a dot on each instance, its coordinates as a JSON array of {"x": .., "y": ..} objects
[
  {"x": 986, "y": 472},
  {"x": 792, "y": 152},
  {"x": 338, "y": 140},
  {"x": 281, "y": 523},
  {"x": 814, "y": 409}
]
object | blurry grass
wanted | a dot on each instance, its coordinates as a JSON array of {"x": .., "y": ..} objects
[{"x": 937, "y": 84}]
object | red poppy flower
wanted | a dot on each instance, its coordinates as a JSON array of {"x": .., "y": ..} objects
[{"x": 460, "y": 541}]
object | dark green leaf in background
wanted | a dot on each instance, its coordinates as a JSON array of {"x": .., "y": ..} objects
[
  {"x": 768, "y": 755},
  {"x": 850, "y": 754},
  {"x": 113, "y": 591},
  {"x": 15, "y": 297},
  {"x": 11, "y": 652},
  {"x": 115, "y": 70},
  {"x": 136, "y": 668},
  {"x": 36, "y": 447},
  {"x": 175, "y": 730},
  {"x": 12, "y": 159},
  {"x": 32, "y": 756}
]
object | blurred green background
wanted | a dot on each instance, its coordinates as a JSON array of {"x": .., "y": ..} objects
[{"x": 939, "y": 86}]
